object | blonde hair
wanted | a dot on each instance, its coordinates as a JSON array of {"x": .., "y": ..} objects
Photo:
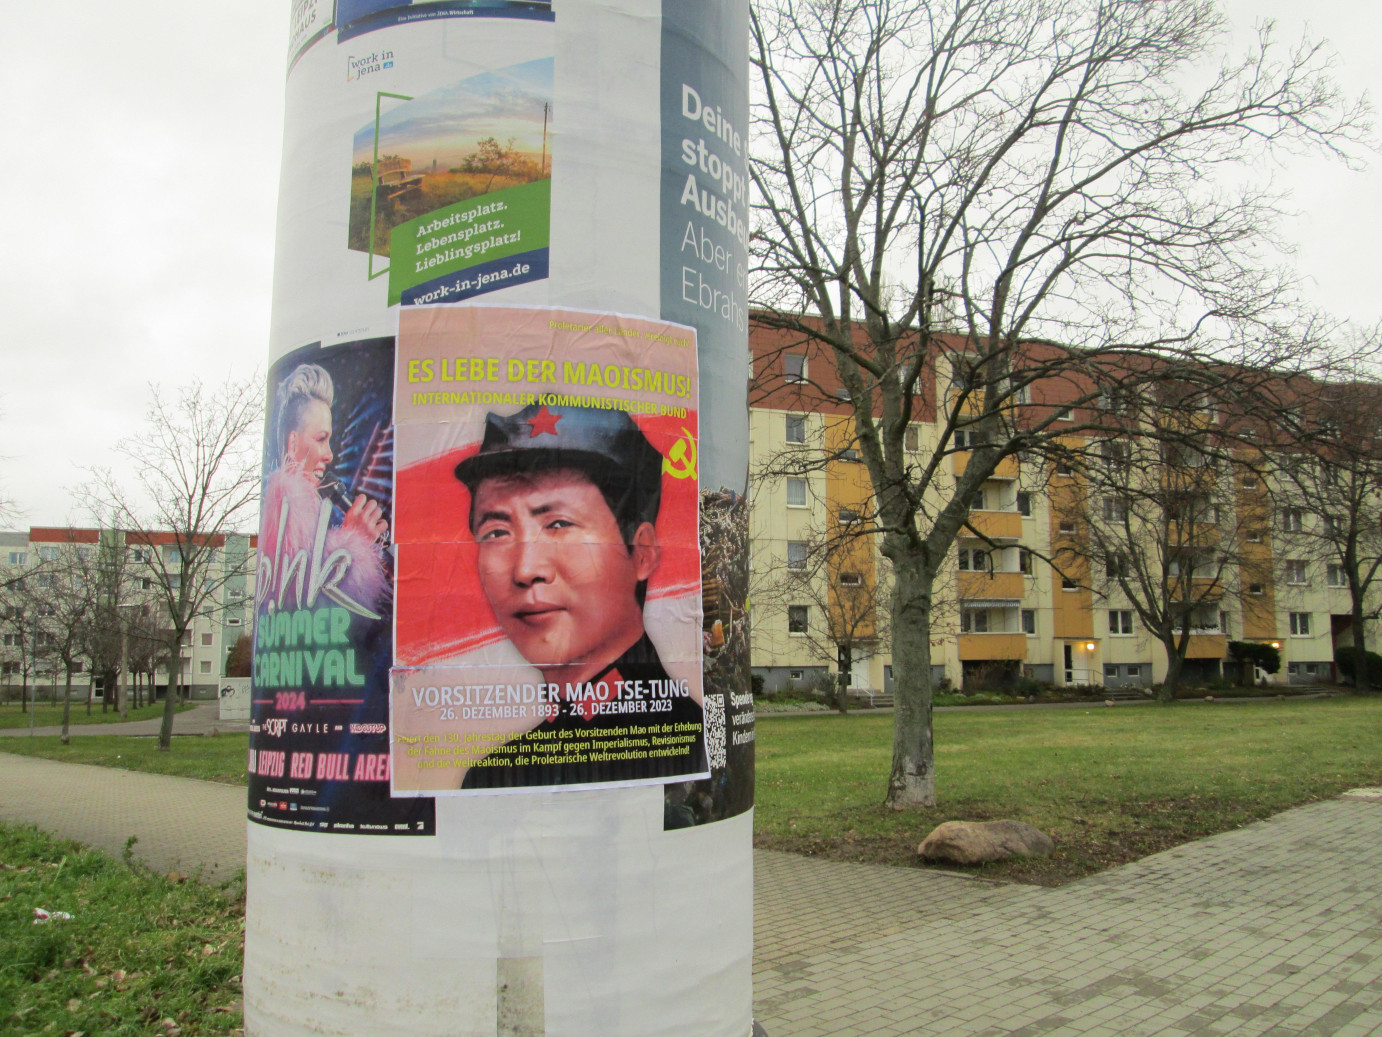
[{"x": 306, "y": 383}]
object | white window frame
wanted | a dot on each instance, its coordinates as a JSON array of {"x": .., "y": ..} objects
[
  {"x": 799, "y": 421},
  {"x": 1120, "y": 623},
  {"x": 1114, "y": 453},
  {"x": 796, "y": 482},
  {"x": 788, "y": 362},
  {"x": 975, "y": 560},
  {"x": 1300, "y": 624}
]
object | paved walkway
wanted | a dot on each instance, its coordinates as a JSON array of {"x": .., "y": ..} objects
[
  {"x": 201, "y": 719},
  {"x": 179, "y": 824},
  {"x": 1274, "y": 929}
]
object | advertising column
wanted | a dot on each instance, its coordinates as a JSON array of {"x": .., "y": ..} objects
[{"x": 501, "y": 751}]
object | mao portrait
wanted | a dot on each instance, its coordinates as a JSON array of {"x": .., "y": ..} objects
[{"x": 564, "y": 505}]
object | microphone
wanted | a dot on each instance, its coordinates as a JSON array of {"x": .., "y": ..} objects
[{"x": 332, "y": 490}]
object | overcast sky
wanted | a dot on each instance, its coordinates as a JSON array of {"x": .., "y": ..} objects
[{"x": 137, "y": 198}]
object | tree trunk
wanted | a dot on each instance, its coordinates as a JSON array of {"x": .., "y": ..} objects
[
  {"x": 1362, "y": 673},
  {"x": 67, "y": 706},
  {"x": 170, "y": 701},
  {"x": 912, "y": 782},
  {"x": 1174, "y": 660}
]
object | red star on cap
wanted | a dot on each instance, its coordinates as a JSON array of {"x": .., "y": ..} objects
[{"x": 543, "y": 421}]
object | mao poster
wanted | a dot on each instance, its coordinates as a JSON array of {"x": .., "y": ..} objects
[
  {"x": 318, "y": 755},
  {"x": 548, "y": 624}
]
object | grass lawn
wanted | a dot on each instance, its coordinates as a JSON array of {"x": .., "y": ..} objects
[
  {"x": 1108, "y": 785},
  {"x": 221, "y": 758},
  {"x": 46, "y": 715},
  {"x": 140, "y": 954}
]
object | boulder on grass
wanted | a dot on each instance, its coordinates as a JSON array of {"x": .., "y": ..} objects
[{"x": 979, "y": 842}]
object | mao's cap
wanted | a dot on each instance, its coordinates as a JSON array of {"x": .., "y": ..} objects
[{"x": 604, "y": 444}]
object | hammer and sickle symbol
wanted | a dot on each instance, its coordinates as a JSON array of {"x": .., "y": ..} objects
[{"x": 680, "y": 462}]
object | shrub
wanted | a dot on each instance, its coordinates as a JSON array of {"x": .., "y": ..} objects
[
  {"x": 1346, "y": 658},
  {"x": 1263, "y": 656},
  {"x": 756, "y": 684}
]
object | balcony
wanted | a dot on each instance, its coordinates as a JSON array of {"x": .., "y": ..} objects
[
  {"x": 1207, "y": 646},
  {"x": 997, "y": 525},
  {"x": 985, "y": 586},
  {"x": 1007, "y": 468},
  {"x": 1194, "y": 534},
  {"x": 992, "y": 647},
  {"x": 1201, "y": 589}
]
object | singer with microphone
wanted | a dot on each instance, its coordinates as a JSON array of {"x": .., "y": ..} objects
[{"x": 299, "y": 495}]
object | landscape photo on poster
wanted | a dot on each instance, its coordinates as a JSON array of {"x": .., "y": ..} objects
[
  {"x": 451, "y": 190},
  {"x": 548, "y": 627}
]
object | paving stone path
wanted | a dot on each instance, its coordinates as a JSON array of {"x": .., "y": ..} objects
[
  {"x": 1274, "y": 929},
  {"x": 201, "y": 719}
]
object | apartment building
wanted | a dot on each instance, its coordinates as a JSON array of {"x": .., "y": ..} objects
[
  {"x": 1033, "y": 586},
  {"x": 42, "y": 557}
]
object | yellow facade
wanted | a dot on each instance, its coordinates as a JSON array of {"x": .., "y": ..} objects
[{"x": 999, "y": 606}]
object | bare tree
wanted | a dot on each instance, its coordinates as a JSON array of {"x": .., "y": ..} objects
[
  {"x": 19, "y": 620},
  {"x": 827, "y": 590},
  {"x": 1004, "y": 170},
  {"x": 148, "y": 650},
  {"x": 108, "y": 577},
  {"x": 1329, "y": 488},
  {"x": 196, "y": 479},
  {"x": 61, "y": 597},
  {"x": 1161, "y": 521}
]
